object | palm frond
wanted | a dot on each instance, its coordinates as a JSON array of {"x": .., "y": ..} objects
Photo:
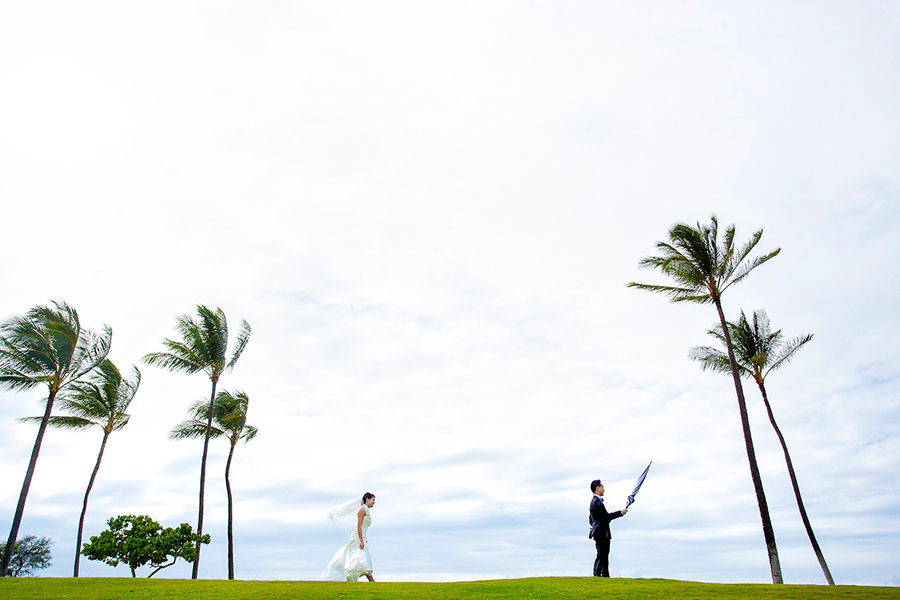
[
  {"x": 229, "y": 413},
  {"x": 26, "y": 347},
  {"x": 678, "y": 260},
  {"x": 127, "y": 390},
  {"x": 787, "y": 352},
  {"x": 61, "y": 324},
  {"x": 699, "y": 248},
  {"x": 92, "y": 350},
  {"x": 716, "y": 332},
  {"x": 737, "y": 257},
  {"x": 173, "y": 362},
  {"x": 103, "y": 398},
  {"x": 241, "y": 342},
  {"x": 744, "y": 270},
  {"x": 677, "y": 294},
  {"x": 674, "y": 259},
  {"x": 203, "y": 345},
  {"x": 191, "y": 333},
  {"x": 711, "y": 359},
  {"x": 699, "y": 299},
  {"x": 214, "y": 333},
  {"x": 16, "y": 382},
  {"x": 724, "y": 250},
  {"x": 199, "y": 409},
  {"x": 193, "y": 429},
  {"x": 757, "y": 349},
  {"x": 702, "y": 266},
  {"x": 78, "y": 402},
  {"x": 249, "y": 433},
  {"x": 62, "y": 422},
  {"x": 120, "y": 421},
  {"x": 49, "y": 345}
]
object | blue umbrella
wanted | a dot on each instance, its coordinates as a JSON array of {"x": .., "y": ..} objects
[{"x": 640, "y": 482}]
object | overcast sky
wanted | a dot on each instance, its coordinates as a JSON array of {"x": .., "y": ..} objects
[{"x": 428, "y": 213}]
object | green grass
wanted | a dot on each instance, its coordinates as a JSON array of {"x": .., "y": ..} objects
[{"x": 28, "y": 588}]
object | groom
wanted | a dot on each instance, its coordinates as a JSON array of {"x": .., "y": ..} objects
[{"x": 599, "y": 519}]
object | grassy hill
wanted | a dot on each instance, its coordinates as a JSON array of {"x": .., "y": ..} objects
[{"x": 568, "y": 588}]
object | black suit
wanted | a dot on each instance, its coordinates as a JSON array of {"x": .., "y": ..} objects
[{"x": 599, "y": 520}]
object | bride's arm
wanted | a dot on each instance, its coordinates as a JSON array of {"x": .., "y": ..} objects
[{"x": 359, "y": 520}]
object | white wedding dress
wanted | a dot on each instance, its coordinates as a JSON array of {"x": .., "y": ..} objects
[{"x": 350, "y": 562}]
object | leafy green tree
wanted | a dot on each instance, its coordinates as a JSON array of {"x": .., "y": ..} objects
[
  {"x": 229, "y": 420},
  {"x": 48, "y": 346},
  {"x": 139, "y": 540},
  {"x": 759, "y": 351},
  {"x": 99, "y": 402},
  {"x": 30, "y": 554},
  {"x": 703, "y": 268},
  {"x": 203, "y": 349}
]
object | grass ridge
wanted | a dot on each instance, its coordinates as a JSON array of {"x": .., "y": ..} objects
[{"x": 532, "y": 588}]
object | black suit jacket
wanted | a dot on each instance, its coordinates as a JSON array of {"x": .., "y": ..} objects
[{"x": 599, "y": 519}]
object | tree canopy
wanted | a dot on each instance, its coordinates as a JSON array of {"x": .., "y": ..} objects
[
  {"x": 46, "y": 346},
  {"x": 139, "y": 540},
  {"x": 29, "y": 554},
  {"x": 101, "y": 401}
]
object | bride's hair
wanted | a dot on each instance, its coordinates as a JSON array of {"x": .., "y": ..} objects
[{"x": 366, "y": 496}]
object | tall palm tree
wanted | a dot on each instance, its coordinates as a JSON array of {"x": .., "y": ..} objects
[
  {"x": 230, "y": 420},
  {"x": 203, "y": 349},
  {"x": 703, "y": 268},
  {"x": 101, "y": 401},
  {"x": 759, "y": 351},
  {"x": 46, "y": 346}
]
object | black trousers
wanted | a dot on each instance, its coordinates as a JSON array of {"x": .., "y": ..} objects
[{"x": 601, "y": 563}]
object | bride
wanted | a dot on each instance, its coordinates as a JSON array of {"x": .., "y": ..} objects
[{"x": 352, "y": 560}]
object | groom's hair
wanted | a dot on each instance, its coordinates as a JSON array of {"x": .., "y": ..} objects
[{"x": 594, "y": 484}]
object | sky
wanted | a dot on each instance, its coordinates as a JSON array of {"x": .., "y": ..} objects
[{"x": 428, "y": 213}]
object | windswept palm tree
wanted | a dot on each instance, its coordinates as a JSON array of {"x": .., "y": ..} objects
[
  {"x": 703, "y": 268},
  {"x": 48, "y": 346},
  {"x": 203, "y": 349},
  {"x": 229, "y": 420},
  {"x": 101, "y": 401},
  {"x": 759, "y": 351}
]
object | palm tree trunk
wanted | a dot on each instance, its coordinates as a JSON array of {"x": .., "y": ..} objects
[
  {"x": 230, "y": 512},
  {"x": 768, "y": 531},
  {"x": 212, "y": 402},
  {"x": 796, "y": 486},
  {"x": 20, "y": 507},
  {"x": 84, "y": 506}
]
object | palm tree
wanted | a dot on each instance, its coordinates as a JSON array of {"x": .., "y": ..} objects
[
  {"x": 230, "y": 418},
  {"x": 101, "y": 401},
  {"x": 703, "y": 268},
  {"x": 203, "y": 349},
  {"x": 46, "y": 346},
  {"x": 759, "y": 351}
]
